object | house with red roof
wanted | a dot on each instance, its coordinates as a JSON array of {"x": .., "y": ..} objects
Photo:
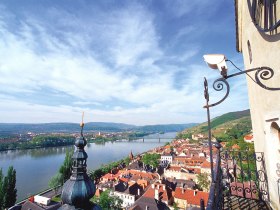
[
  {"x": 235, "y": 146},
  {"x": 179, "y": 172},
  {"x": 157, "y": 196},
  {"x": 189, "y": 198},
  {"x": 206, "y": 167},
  {"x": 127, "y": 193},
  {"x": 249, "y": 138},
  {"x": 108, "y": 177},
  {"x": 160, "y": 192}
]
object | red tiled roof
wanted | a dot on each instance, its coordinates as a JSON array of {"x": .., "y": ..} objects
[
  {"x": 163, "y": 193},
  {"x": 235, "y": 146},
  {"x": 181, "y": 158},
  {"x": 248, "y": 137},
  {"x": 174, "y": 168},
  {"x": 124, "y": 179},
  {"x": 139, "y": 174},
  {"x": 206, "y": 164},
  {"x": 191, "y": 196},
  {"x": 108, "y": 176}
]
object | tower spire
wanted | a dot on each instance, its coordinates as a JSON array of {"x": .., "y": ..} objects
[{"x": 78, "y": 190}]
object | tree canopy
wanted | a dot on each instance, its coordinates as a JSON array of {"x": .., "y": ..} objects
[
  {"x": 64, "y": 172},
  {"x": 1, "y": 189},
  {"x": 151, "y": 159},
  {"x": 108, "y": 201},
  {"x": 203, "y": 181},
  {"x": 8, "y": 191}
]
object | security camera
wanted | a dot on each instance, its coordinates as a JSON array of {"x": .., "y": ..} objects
[{"x": 216, "y": 61}]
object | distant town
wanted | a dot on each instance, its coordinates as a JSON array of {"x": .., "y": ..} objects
[{"x": 174, "y": 176}]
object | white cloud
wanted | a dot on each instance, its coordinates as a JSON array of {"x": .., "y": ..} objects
[{"x": 104, "y": 60}]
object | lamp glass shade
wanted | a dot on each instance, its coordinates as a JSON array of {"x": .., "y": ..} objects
[{"x": 215, "y": 61}]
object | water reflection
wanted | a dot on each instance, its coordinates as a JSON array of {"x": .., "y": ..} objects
[{"x": 35, "y": 167}]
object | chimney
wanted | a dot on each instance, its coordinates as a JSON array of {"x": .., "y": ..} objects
[
  {"x": 194, "y": 193},
  {"x": 138, "y": 192},
  {"x": 183, "y": 191},
  {"x": 147, "y": 207},
  {"x": 153, "y": 186},
  {"x": 163, "y": 187},
  {"x": 156, "y": 194},
  {"x": 158, "y": 186}
]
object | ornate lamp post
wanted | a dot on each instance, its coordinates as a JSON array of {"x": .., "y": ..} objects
[{"x": 218, "y": 61}]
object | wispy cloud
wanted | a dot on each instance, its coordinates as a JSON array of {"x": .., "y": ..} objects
[{"x": 115, "y": 63}]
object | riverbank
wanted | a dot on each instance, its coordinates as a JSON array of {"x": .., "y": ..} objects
[
  {"x": 35, "y": 167},
  {"x": 47, "y": 141}
]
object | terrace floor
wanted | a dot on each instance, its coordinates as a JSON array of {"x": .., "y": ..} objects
[{"x": 234, "y": 202}]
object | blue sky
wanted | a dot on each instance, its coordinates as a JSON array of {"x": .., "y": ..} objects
[{"x": 137, "y": 62}]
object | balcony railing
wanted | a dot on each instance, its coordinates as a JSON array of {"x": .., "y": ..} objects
[{"x": 240, "y": 181}]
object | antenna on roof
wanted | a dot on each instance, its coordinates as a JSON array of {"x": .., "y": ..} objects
[{"x": 82, "y": 125}]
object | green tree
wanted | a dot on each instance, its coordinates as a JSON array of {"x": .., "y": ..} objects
[
  {"x": 66, "y": 168},
  {"x": 64, "y": 172},
  {"x": 151, "y": 159},
  {"x": 175, "y": 206},
  {"x": 1, "y": 189},
  {"x": 9, "y": 188},
  {"x": 167, "y": 143},
  {"x": 126, "y": 161},
  {"x": 203, "y": 181},
  {"x": 108, "y": 201},
  {"x": 96, "y": 174},
  {"x": 55, "y": 181},
  {"x": 184, "y": 135}
]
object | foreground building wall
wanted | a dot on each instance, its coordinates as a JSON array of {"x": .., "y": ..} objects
[{"x": 262, "y": 49}]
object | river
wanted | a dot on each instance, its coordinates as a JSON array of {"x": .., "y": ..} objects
[{"x": 35, "y": 167}]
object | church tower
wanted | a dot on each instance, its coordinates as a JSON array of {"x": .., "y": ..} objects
[{"x": 79, "y": 189}]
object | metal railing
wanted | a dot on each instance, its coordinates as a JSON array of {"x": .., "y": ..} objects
[{"x": 238, "y": 175}]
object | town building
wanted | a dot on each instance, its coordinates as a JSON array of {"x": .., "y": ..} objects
[
  {"x": 249, "y": 138},
  {"x": 127, "y": 193},
  {"x": 185, "y": 198},
  {"x": 199, "y": 137},
  {"x": 166, "y": 158}
]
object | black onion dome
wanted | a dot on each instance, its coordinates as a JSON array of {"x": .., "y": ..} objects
[
  {"x": 91, "y": 206},
  {"x": 80, "y": 155},
  {"x": 80, "y": 142},
  {"x": 78, "y": 192}
]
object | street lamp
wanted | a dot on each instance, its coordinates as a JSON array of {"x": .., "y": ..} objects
[{"x": 218, "y": 61}]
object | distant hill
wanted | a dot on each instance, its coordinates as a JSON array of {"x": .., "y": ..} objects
[
  {"x": 91, "y": 126},
  {"x": 229, "y": 117},
  {"x": 239, "y": 122},
  {"x": 165, "y": 128}
]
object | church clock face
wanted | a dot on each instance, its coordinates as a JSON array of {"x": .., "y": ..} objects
[{"x": 265, "y": 14}]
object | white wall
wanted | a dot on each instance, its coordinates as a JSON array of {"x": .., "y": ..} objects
[{"x": 264, "y": 104}]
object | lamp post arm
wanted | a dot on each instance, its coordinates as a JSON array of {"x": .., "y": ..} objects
[
  {"x": 218, "y": 85},
  {"x": 262, "y": 73},
  {"x": 244, "y": 72}
]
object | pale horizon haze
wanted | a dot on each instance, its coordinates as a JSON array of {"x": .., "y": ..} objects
[{"x": 133, "y": 62}]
